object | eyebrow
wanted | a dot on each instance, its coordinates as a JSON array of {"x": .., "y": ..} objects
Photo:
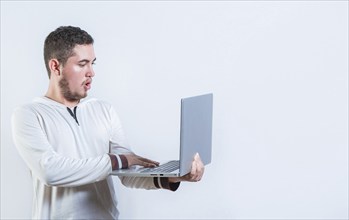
[{"x": 87, "y": 61}]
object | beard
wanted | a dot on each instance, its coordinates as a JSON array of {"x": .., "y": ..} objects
[{"x": 67, "y": 93}]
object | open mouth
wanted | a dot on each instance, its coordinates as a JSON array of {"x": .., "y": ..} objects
[{"x": 87, "y": 84}]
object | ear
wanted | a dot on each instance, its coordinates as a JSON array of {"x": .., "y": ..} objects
[{"x": 54, "y": 67}]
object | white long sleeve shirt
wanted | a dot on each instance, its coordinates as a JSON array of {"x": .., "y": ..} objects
[{"x": 68, "y": 158}]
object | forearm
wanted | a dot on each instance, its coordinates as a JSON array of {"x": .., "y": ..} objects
[
  {"x": 149, "y": 183},
  {"x": 56, "y": 170}
]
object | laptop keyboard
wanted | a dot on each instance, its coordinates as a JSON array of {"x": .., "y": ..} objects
[{"x": 163, "y": 168}]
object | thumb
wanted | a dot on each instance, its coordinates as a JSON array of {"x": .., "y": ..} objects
[{"x": 197, "y": 156}]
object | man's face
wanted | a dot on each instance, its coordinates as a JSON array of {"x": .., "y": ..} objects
[{"x": 77, "y": 73}]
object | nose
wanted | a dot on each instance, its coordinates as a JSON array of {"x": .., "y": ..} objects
[{"x": 90, "y": 72}]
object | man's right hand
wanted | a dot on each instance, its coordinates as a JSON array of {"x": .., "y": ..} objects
[{"x": 133, "y": 159}]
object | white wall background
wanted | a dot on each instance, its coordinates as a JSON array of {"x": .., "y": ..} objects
[{"x": 279, "y": 74}]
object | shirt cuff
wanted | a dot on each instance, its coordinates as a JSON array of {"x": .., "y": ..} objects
[
  {"x": 118, "y": 161},
  {"x": 163, "y": 183}
]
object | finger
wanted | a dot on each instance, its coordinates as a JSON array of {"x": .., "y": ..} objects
[
  {"x": 200, "y": 166},
  {"x": 148, "y": 161},
  {"x": 197, "y": 157},
  {"x": 195, "y": 175},
  {"x": 193, "y": 168},
  {"x": 200, "y": 172},
  {"x": 146, "y": 164}
]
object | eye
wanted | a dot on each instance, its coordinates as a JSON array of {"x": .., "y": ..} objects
[{"x": 82, "y": 64}]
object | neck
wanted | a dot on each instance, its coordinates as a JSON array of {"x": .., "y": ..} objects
[{"x": 56, "y": 95}]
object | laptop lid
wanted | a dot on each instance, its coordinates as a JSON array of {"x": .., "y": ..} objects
[
  {"x": 196, "y": 130},
  {"x": 195, "y": 137}
]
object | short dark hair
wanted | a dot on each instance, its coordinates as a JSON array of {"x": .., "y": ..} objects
[{"x": 59, "y": 44}]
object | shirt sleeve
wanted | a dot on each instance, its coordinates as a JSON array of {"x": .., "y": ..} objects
[{"x": 46, "y": 164}]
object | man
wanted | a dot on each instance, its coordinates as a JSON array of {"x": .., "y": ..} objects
[{"x": 71, "y": 143}]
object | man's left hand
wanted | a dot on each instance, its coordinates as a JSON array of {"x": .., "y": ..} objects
[{"x": 195, "y": 174}]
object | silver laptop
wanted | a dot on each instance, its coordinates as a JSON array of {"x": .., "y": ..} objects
[{"x": 195, "y": 136}]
